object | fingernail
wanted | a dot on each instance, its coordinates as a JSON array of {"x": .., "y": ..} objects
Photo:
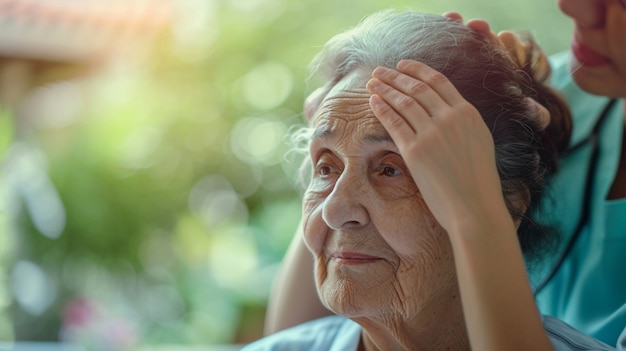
[
  {"x": 373, "y": 83},
  {"x": 375, "y": 101}
]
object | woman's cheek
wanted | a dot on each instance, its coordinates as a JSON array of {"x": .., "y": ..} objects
[
  {"x": 413, "y": 228},
  {"x": 314, "y": 228},
  {"x": 395, "y": 188}
]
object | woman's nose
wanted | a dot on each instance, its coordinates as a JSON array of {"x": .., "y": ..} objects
[
  {"x": 587, "y": 14},
  {"x": 345, "y": 206}
]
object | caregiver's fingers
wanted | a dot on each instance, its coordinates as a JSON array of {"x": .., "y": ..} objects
[
  {"x": 404, "y": 105},
  {"x": 398, "y": 128},
  {"x": 477, "y": 24},
  {"x": 453, "y": 15},
  {"x": 438, "y": 82},
  {"x": 541, "y": 112},
  {"x": 419, "y": 90},
  {"x": 481, "y": 26}
]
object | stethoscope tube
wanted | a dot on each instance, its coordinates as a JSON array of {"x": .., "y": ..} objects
[{"x": 592, "y": 139}]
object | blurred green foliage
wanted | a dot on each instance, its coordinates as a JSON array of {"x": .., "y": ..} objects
[{"x": 176, "y": 201}]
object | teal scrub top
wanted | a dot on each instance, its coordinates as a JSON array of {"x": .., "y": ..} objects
[{"x": 589, "y": 289}]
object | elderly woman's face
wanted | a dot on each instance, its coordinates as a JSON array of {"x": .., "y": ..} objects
[{"x": 378, "y": 251}]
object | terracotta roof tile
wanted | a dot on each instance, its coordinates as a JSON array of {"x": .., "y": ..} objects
[{"x": 77, "y": 30}]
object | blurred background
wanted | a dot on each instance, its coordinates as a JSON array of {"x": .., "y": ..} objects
[{"x": 145, "y": 196}]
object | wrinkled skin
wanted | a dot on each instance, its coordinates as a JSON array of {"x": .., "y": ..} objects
[{"x": 380, "y": 256}]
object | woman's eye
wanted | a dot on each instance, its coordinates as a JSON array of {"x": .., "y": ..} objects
[
  {"x": 390, "y": 171},
  {"x": 324, "y": 170}
]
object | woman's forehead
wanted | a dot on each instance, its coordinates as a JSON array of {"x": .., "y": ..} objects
[
  {"x": 347, "y": 109},
  {"x": 347, "y": 100}
]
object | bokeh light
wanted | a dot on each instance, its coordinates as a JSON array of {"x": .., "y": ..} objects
[
  {"x": 32, "y": 288},
  {"x": 259, "y": 140},
  {"x": 267, "y": 85},
  {"x": 214, "y": 200},
  {"x": 146, "y": 194}
]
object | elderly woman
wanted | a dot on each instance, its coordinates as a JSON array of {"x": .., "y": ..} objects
[{"x": 428, "y": 144}]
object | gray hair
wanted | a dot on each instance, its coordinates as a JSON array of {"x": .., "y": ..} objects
[
  {"x": 386, "y": 37},
  {"x": 494, "y": 83}
]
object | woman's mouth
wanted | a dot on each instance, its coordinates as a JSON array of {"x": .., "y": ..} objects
[{"x": 587, "y": 56}]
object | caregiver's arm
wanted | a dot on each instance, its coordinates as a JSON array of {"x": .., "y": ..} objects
[
  {"x": 450, "y": 153},
  {"x": 294, "y": 299}
]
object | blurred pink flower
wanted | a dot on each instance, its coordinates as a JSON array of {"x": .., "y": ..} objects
[
  {"x": 87, "y": 322},
  {"x": 79, "y": 311}
]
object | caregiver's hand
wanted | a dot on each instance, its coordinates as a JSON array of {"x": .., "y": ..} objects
[
  {"x": 443, "y": 140},
  {"x": 516, "y": 49},
  {"x": 450, "y": 153}
]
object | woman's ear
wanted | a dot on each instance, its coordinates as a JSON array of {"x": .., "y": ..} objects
[
  {"x": 313, "y": 101},
  {"x": 520, "y": 202}
]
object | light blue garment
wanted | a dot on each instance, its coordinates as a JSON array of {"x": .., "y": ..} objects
[
  {"x": 589, "y": 290},
  {"x": 337, "y": 333},
  {"x": 332, "y": 333}
]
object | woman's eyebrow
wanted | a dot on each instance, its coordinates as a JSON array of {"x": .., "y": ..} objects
[
  {"x": 371, "y": 138},
  {"x": 378, "y": 138},
  {"x": 322, "y": 133}
]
